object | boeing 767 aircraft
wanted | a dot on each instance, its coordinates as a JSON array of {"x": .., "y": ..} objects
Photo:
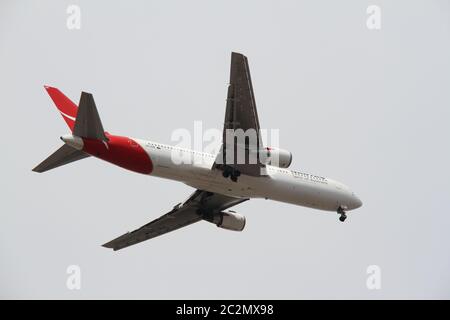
[{"x": 219, "y": 182}]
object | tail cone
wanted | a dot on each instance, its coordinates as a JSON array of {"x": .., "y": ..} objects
[{"x": 73, "y": 141}]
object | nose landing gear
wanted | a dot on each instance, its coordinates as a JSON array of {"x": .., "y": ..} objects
[{"x": 341, "y": 212}]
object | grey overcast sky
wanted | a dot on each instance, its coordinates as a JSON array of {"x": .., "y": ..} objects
[{"x": 370, "y": 108}]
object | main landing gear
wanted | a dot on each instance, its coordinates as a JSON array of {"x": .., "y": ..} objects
[
  {"x": 231, "y": 172},
  {"x": 341, "y": 212}
]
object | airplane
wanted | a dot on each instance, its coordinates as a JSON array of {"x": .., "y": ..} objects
[{"x": 220, "y": 183}]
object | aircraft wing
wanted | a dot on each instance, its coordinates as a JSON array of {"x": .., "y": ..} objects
[
  {"x": 241, "y": 113},
  {"x": 201, "y": 205}
]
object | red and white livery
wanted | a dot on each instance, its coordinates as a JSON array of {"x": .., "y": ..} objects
[{"x": 219, "y": 184}]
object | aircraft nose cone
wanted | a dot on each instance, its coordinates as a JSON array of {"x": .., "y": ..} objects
[{"x": 356, "y": 202}]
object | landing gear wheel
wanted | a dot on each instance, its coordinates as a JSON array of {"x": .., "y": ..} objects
[
  {"x": 230, "y": 172},
  {"x": 341, "y": 211},
  {"x": 227, "y": 172},
  {"x": 235, "y": 174}
]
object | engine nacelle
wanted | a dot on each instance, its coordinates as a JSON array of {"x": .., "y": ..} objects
[
  {"x": 276, "y": 157},
  {"x": 230, "y": 220}
]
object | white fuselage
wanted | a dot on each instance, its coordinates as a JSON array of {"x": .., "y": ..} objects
[{"x": 279, "y": 184}]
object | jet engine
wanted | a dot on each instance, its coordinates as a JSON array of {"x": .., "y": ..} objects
[
  {"x": 229, "y": 220},
  {"x": 276, "y": 157}
]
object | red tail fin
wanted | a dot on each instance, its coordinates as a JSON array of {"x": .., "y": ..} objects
[{"x": 66, "y": 107}]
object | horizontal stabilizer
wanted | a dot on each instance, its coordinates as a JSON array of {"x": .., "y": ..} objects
[
  {"x": 60, "y": 157},
  {"x": 88, "y": 123}
]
